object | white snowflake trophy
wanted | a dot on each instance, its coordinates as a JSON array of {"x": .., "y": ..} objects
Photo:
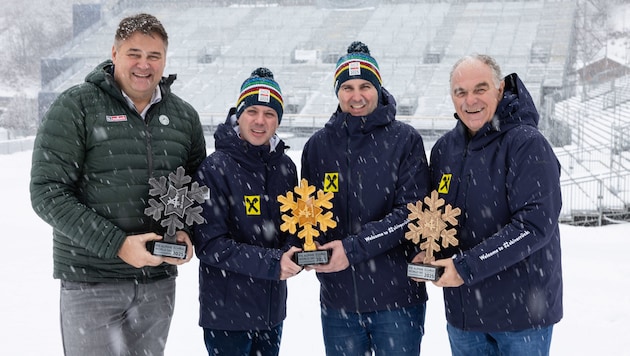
[
  {"x": 176, "y": 206},
  {"x": 432, "y": 226},
  {"x": 307, "y": 213}
]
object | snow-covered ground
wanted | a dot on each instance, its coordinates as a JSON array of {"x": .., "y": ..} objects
[{"x": 595, "y": 295}]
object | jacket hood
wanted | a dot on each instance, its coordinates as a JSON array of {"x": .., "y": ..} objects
[
  {"x": 517, "y": 108},
  {"x": 383, "y": 115},
  {"x": 103, "y": 77}
]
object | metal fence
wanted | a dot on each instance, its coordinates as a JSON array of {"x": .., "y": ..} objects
[{"x": 596, "y": 200}]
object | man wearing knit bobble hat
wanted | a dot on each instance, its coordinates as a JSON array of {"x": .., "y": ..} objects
[
  {"x": 244, "y": 257},
  {"x": 374, "y": 165}
]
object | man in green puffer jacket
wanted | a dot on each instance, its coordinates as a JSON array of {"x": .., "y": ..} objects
[{"x": 95, "y": 151}]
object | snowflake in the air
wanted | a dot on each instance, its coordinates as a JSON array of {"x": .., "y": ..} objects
[
  {"x": 307, "y": 213},
  {"x": 175, "y": 201},
  {"x": 431, "y": 225}
]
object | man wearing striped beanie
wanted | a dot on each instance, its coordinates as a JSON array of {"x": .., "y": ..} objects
[
  {"x": 244, "y": 258},
  {"x": 260, "y": 89},
  {"x": 260, "y": 97},
  {"x": 374, "y": 165},
  {"x": 358, "y": 64}
]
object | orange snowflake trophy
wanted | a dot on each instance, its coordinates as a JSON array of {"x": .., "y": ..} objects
[
  {"x": 307, "y": 214},
  {"x": 176, "y": 207},
  {"x": 432, "y": 226}
]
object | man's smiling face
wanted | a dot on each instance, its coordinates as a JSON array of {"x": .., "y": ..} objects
[
  {"x": 139, "y": 64},
  {"x": 257, "y": 124},
  {"x": 357, "y": 97},
  {"x": 475, "y": 93}
]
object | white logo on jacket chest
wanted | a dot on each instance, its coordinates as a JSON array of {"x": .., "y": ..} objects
[{"x": 164, "y": 120}]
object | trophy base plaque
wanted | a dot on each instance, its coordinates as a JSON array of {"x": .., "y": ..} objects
[
  {"x": 319, "y": 257},
  {"x": 427, "y": 272},
  {"x": 167, "y": 249}
]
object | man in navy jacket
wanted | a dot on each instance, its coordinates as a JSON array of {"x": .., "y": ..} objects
[
  {"x": 374, "y": 165},
  {"x": 243, "y": 256},
  {"x": 503, "y": 283}
]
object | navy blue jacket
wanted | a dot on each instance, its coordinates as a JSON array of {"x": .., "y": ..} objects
[
  {"x": 381, "y": 166},
  {"x": 506, "y": 180},
  {"x": 240, "y": 245}
]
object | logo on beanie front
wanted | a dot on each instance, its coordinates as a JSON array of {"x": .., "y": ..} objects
[
  {"x": 354, "y": 68},
  {"x": 264, "y": 95}
]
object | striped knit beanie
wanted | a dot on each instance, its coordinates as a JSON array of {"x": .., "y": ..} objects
[
  {"x": 357, "y": 64},
  {"x": 260, "y": 89}
]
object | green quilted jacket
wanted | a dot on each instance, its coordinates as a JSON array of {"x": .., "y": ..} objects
[{"x": 92, "y": 160}]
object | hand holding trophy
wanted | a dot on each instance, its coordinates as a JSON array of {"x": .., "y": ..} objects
[
  {"x": 176, "y": 200},
  {"x": 307, "y": 213},
  {"x": 432, "y": 222}
]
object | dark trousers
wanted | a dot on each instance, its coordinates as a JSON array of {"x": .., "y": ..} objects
[{"x": 243, "y": 343}]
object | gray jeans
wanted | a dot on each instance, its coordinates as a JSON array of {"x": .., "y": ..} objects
[{"x": 116, "y": 319}]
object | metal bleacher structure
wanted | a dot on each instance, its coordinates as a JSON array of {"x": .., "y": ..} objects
[
  {"x": 213, "y": 48},
  {"x": 596, "y": 164}
]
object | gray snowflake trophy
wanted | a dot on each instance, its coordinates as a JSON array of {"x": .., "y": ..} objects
[
  {"x": 307, "y": 213},
  {"x": 176, "y": 206},
  {"x": 434, "y": 223}
]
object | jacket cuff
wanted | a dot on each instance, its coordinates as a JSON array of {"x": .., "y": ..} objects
[
  {"x": 348, "y": 248},
  {"x": 459, "y": 261},
  {"x": 274, "y": 264}
]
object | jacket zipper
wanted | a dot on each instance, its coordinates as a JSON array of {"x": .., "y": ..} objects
[
  {"x": 348, "y": 218},
  {"x": 467, "y": 176},
  {"x": 150, "y": 172}
]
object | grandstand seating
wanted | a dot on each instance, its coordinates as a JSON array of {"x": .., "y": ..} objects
[{"x": 213, "y": 49}]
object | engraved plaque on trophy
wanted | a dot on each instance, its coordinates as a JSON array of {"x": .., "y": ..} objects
[
  {"x": 432, "y": 227},
  {"x": 176, "y": 205},
  {"x": 307, "y": 213}
]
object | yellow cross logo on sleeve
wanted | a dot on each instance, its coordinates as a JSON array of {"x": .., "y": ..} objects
[
  {"x": 252, "y": 204},
  {"x": 331, "y": 182},
  {"x": 445, "y": 183}
]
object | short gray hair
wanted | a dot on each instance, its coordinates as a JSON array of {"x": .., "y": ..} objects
[{"x": 485, "y": 59}]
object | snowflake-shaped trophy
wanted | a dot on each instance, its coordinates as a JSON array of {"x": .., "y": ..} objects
[
  {"x": 177, "y": 200},
  {"x": 307, "y": 214},
  {"x": 435, "y": 224}
]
